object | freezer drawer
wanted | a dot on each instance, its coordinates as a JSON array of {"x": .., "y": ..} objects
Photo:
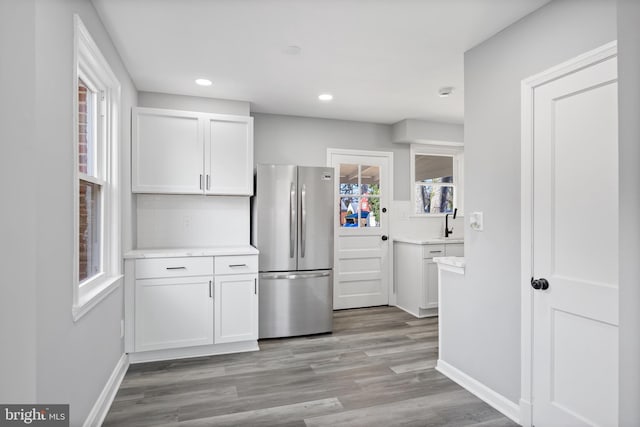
[{"x": 295, "y": 303}]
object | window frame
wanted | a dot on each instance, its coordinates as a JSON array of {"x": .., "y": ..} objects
[
  {"x": 437, "y": 148},
  {"x": 90, "y": 65}
]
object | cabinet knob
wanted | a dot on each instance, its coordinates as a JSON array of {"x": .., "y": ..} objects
[{"x": 385, "y": 238}]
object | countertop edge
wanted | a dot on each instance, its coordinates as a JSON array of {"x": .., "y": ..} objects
[
  {"x": 190, "y": 252},
  {"x": 437, "y": 241}
]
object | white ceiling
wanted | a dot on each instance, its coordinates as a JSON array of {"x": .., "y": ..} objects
[{"x": 383, "y": 61}]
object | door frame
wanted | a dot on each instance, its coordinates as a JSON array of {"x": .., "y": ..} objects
[
  {"x": 391, "y": 298},
  {"x": 528, "y": 87}
]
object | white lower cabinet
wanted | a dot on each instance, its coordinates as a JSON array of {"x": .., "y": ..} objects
[
  {"x": 416, "y": 275},
  {"x": 173, "y": 312},
  {"x": 236, "y": 308},
  {"x": 177, "y": 307},
  {"x": 429, "y": 288}
]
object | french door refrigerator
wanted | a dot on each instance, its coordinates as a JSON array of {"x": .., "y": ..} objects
[{"x": 292, "y": 227}]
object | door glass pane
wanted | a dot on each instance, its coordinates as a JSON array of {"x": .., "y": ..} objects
[
  {"x": 349, "y": 211},
  {"x": 89, "y": 230},
  {"x": 373, "y": 215},
  {"x": 434, "y": 199},
  {"x": 370, "y": 201},
  {"x": 349, "y": 179}
]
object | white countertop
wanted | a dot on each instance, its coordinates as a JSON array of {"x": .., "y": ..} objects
[
  {"x": 184, "y": 252},
  {"x": 452, "y": 261},
  {"x": 434, "y": 241}
]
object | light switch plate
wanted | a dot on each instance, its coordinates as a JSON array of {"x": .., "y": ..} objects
[{"x": 476, "y": 221}]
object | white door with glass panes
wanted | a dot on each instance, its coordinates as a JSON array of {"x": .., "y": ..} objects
[{"x": 361, "y": 245}]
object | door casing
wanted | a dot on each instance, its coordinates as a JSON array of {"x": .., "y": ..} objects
[{"x": 526, "y": 211}]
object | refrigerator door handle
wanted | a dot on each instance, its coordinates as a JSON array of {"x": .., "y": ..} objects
[
  {"x": 293, "y": 276},
  {"x": 292, "y": 220},
  {"x": 303, "y": 225}
]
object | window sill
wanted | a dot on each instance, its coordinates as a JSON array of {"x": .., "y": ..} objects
[{"x": 88, "y": 300}]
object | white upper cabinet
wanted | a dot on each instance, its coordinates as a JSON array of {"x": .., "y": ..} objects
[
  {"x": 167, "y": 151},
  {"x": 182, "y": 152},
  {"x": 229, "y": 155}
]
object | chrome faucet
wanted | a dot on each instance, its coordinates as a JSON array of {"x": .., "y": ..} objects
[{"x": 448, "y": 232}]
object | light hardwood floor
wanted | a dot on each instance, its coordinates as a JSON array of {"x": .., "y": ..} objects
[{"x": 376, "y": 369}]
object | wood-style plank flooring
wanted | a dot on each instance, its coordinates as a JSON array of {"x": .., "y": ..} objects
[{"x": 376, "y": 369}]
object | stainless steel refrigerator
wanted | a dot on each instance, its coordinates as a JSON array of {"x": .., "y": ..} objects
[{"x": 292, "y": 226}]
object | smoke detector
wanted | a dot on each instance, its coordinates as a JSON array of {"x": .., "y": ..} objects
[{"x": 445, "y": 91}]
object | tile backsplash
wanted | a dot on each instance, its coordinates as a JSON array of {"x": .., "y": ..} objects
[{"x": 173, "y": 221}]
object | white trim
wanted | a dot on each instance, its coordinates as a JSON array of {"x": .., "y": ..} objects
[
  {"x": 89, "y": 61},
  {"x": 439, "y": 148},
  {"x": 491, "y": 397},
  {"x": 197, "y": 351},
  {"x": 101, "y": 407},
  {"x": 90, "y": 299},
  {"x": 526, "y": 212}
]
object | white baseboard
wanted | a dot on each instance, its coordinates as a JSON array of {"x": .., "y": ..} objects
[
  {"x": 197, "y": 351},
  {"x": 102, "y": 405},
  {"x": 496, "y": 400}
]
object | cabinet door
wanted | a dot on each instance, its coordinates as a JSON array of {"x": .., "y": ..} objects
[
  {"x": 429, "y": 297},
  {"x": 229, "y": 155},
  {"x": 236, "y": 308},
  {"x": 167, "y": 152},
  {"x": 174, "y": 312}
]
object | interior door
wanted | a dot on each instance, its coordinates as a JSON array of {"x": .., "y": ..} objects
[
  {"x": 575, "y": 249},
  {"x": 362, "y": 187}
]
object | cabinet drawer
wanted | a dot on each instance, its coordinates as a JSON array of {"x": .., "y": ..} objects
[
  {"x": 455, "y": 249},
  {"x": 430, "y": 251},
  {"x": 238, "y": 264},
  {"x": 173, "y": 267}
]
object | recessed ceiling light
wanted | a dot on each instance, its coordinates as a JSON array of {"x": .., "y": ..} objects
[
  {"x": 203, "y": 82},
  {"x": 325, "y": 97},
  {"x": 445, "y": 91}
]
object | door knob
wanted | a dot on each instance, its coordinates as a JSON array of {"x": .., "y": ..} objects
[
  {"x": 541, "y": 283},
  {"x": 384, "y": 238}
]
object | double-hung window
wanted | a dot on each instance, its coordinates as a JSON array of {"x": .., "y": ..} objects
[
  {"x": 437, "y": 184},
  {"x": 96, "y": 129}
]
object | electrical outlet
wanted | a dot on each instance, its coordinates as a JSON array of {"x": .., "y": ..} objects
[{"x": 186, "y": 222}]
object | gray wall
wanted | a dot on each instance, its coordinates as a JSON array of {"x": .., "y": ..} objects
[
  {"x": 73, "y": 360},
  {"x": 304, "y": 141},
  {"x": 493, "y": 70},
  {"x": 192, "y": 103},
  {"x": 629, "y": 108},
  {"x": 413, "y": 130},
  {"x": 18, "y": 213}
]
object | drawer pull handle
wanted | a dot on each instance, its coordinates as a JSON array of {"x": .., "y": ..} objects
[
  {"x": 237, "y": 265},
  {"x": 176, "y": 268},
  {"x": 435, "y": 252}
]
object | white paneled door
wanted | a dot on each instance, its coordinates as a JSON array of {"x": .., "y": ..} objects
[
  {"x": 361, "y": 246},
  {"x": 575, "y": 247}
]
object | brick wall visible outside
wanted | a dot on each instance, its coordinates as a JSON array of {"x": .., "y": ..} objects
[{"x": 84, "y": 191}]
